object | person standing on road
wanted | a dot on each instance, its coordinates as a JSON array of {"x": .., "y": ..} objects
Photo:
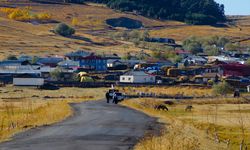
[
  {"x": 107, "y": 96},
  {"x": 115, "y": 98}
]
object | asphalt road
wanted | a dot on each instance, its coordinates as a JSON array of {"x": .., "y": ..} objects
[{"x": 95, "y": 126}]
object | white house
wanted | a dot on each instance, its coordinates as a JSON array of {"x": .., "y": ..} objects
[
  {"x": 137, "y": 77},
  {"x": 28, "y": 80}
]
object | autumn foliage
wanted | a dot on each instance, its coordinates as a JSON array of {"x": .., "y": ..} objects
[{"x": 24, "y": 14}]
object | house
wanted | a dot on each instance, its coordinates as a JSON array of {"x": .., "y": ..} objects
[
  {"x": 28, "y": 80},
  {"x": 25, "y": 58},
  {"x": 196, "y": 60},
  {"x": 10, "y": 68},
  {"x": 132, "y": 62},
  {"x": 93, "y": 62},
  {"x": 77, "y": 55},
  {"x": 18, "y": 67},
  {"x": 235, "y": 69},
  {"x": 112, "y": 57},
  {"x": 69, "y": 64},
  {"x": 205, "y": 78},
  {"x": 50, "y": 61},
  {"x": 243, "y": 56},
  {"x": 226, "y": 59},
  {"x": 137, "y": 77},
  {"x": 116, "y": 65}
]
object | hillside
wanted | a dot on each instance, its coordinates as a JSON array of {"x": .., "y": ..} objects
[
  {"x": 202, "y": 12},
  {"x": 92, "y": 33}
]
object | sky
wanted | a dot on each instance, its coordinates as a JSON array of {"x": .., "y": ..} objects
[{"x": 236, "y": 7}]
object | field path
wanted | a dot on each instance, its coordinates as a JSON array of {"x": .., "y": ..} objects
[{"x": 95, "y": 126}]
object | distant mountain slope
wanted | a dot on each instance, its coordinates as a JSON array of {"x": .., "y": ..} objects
[
  {"x": 92, "y": 32},
  {"x": 190, "y": 11}
]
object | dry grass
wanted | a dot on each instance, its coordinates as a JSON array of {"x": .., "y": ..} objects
[
  {"x": 181, "y": 33},
  {"x": 177, "y": 135},
  {"x": 171, "y": 91},
  {"x": 24, "y": 108},
  {"x": 204, "y": 122}
]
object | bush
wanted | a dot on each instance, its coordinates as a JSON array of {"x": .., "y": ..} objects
[
  {"x": 24, "y": 14},
  {"x": 11, "y": 57},
  {"x": 222, "y": 88},
  {"x": 75, "y": 21},
  {"x": 124, "y": 22},
  {"x": 56, "y": 74},
  {"x": 64, "y": 30}
]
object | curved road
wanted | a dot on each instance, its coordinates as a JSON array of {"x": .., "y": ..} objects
[{"x": 95, "y": 126}]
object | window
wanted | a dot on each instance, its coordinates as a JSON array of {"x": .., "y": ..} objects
[
  {"x": 129, "y": 79},
  {"x": 123, "y": 78}
]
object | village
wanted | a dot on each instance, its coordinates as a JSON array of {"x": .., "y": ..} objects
[
  {"x": 124, "y": 74},
  {"x": 88, "y": 69}
]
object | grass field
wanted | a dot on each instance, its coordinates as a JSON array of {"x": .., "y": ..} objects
[
  {"x": 22, "y": 108},
  {"x": 213, "y": 125},
  {"x": 91, "y": 31},
  {"x": 171, "y": 91}
]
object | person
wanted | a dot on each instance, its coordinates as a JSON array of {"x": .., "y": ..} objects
[
  {"x": 236, "y": 93},
  {"x": 107, "y": 97},
  {"x": 115, "y": 99}
]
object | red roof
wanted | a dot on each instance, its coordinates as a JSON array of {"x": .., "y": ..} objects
[{"x": 235, "y": 69}]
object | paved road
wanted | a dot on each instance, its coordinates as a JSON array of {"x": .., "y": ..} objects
[{"x": 95, "y": 126}]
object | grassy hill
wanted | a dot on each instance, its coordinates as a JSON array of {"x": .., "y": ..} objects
[{"x": 92, "y": 33}]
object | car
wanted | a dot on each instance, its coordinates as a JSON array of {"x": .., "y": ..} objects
[{"x": 120, "y": 96}]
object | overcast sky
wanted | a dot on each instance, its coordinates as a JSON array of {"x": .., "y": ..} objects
[{"x": 236, "y": 7}]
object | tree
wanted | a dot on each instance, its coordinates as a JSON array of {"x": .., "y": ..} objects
[
  {"x": 64, "y": 30},
  {"x": 34, "y": 59},
  {"x": 56, "y": 74},
  {"x": 193, "y": 44},
  {"x": 145, "y": 35},
  {"x": 232, "y": 47},
  {"x": 190, "y": 11},
  {"x": 211, "y": 50},
  {"x": 248, "y": 62},
  {"x": 222, "y": 88}
]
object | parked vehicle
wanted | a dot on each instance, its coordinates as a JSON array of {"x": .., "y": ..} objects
[{"x": 120, "y": 96}]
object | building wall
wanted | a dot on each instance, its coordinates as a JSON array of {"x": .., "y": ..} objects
[
  {"x": 96, "y": 64},
  {"x": 126, "y": 79},
  {"x": 137, "y": 79},
  {"x": 144, "y": 79}
]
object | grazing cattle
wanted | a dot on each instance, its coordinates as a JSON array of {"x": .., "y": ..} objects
[
  {"x": 169, "y": 102},
  {"x": 189, "y": 108},
  {"x": 236, "y": 94},
  {"x": 161, "y": 107}
]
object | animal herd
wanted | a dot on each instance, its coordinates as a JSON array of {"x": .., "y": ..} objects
[{"x": 163, "y": 106}]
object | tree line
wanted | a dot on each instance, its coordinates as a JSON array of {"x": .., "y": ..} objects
[{"x": 190, "y": 11}]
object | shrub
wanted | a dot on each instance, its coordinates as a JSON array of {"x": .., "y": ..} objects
[
  {"x": 11, "y": 57},
  {"x": 56, "y": 74},
  {"x": 75, "y": 21},
  {"x": 43, "y": 16},
  {"x": 222, "y": 88},
  {"x": 24, "y": 14},
  {"x": 64, "y": 30}
]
